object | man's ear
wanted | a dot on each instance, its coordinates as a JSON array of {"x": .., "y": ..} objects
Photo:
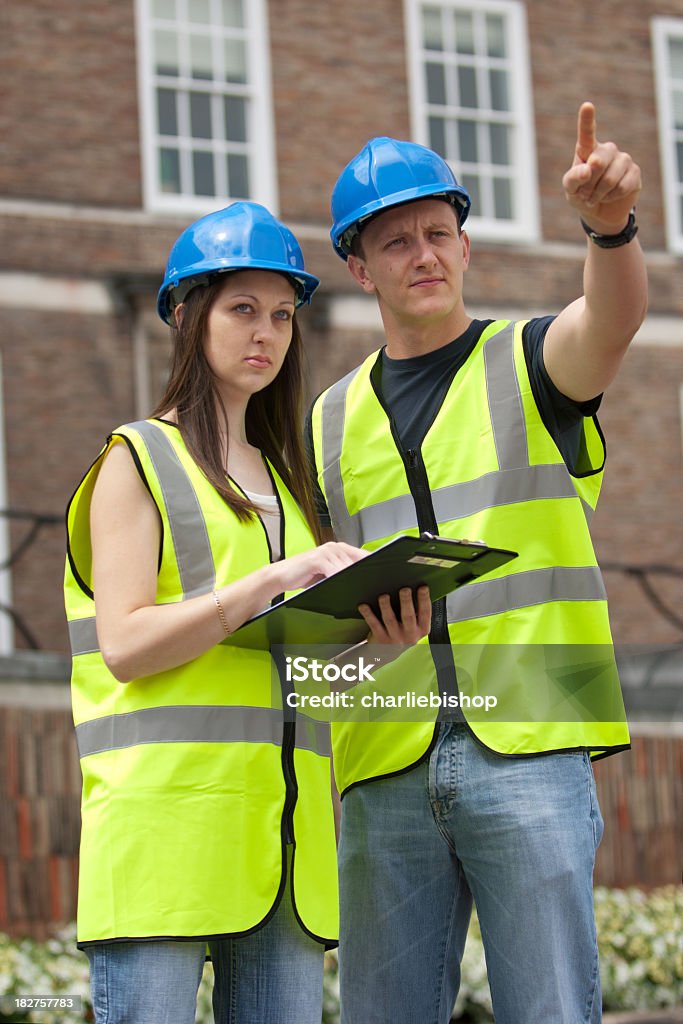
[
  {"x": 465, "y": 239},
  {"x": 179, "y": 313},
  {"x": 359, "y": 272}
]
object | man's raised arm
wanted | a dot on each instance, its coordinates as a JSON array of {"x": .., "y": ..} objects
[{"x": 585, "y": 344}]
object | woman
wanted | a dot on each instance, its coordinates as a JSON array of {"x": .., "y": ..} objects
[{"x": 206, "y": 820}]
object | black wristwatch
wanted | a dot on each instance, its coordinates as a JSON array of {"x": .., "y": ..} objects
[{"x": 613, "y": 241}]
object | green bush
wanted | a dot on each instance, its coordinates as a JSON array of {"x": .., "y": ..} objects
[
  {"x": 641, "y": 961},
  {"x": 641, "y": 947}
]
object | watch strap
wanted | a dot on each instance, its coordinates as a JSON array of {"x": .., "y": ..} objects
[{"x": 613, "y": 241}]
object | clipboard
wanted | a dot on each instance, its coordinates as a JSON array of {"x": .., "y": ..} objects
[{"x": 326, "y": 613}]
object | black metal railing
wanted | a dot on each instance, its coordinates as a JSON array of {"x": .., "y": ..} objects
[{"x": 37, "y": 522}]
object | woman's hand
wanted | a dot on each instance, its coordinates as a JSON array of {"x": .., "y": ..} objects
[
  {"x": 413, "y": 624},
  {"x": 314, "y": 565}
]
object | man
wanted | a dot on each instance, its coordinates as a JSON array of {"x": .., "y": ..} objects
[{"x": 474, "y": 428}]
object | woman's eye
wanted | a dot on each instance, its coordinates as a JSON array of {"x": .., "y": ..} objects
[
  {"x": 283, "y": 314},
  {"x": 243, "y": 307}
]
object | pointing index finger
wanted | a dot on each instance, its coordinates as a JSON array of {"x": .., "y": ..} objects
[{"x": 585, "y": 134}]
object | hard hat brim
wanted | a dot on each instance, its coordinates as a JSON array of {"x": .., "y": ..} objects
[
  {"x": 340, "y": 232},
  {"x": 203, "y": 273}
]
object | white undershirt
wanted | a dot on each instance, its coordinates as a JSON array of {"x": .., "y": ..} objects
[{"x": 270, "y": 516}]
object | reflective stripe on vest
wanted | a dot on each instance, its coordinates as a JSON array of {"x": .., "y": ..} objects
[
  {"x": 334, "y": 406},
  {"x": 522, "y": 589},
  {"x": 192, "y": 548},
  {"x": 83, "y": 636},
  {"x": 397, "y": 515},
  {"x": 505, "y": 401},
  {"x": 202, "y": 724}
]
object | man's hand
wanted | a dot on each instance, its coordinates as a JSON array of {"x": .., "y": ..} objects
[
  {"x": 411, "y": 625},
  {"x": 603, "y": 183},
  {"x": 586, "y": 342}
]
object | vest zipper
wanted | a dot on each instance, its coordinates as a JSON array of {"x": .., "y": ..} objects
[
  {"x": 418, "y": 483},
  {"x": 419, "y": 488},
  {"x": 289, "y": 723},
  {"x": 291, "y": 785}
]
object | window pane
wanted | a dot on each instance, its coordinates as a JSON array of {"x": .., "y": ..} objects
[
  {"x": 467, "y": 82},
  {"x": 233, "y": 15},
  {"x": 467, "y": 142},
  {"x": 167, "y": 112},
  {"x": 235, "y": 109},
  {"x": 500, "y": 144},
  {"x": 677, "y": 100},
  {"x": 200, "y": 57},
  {"x": 431, "y": 28},
  {"x": 238, "y": 176},
  {"x": 235, "y": 61},
  {"x": 495, "y": 35},
  {"x": 164, "y": 9},
  {"x": 436, "y": 84},
  {"x": 679, "y": 157},
  {"x": 502, "y": 199},
  {"x": 169, "y": 170},
  {"x": 498, "y": 83},
  {"x": 202, "y": 166},
  {"x": 200, "y": 115},
  {"x": 166, "y": 53},
  {"x": 207, "y": 101},
  {"x": 437, "y": 135},
  {"x": 464, "y": 32},
  {"x": 676, "y": 55},
  {"x": 471, "y": 183},
  {"x": 680, "y": 210},
  {"x": 199, "y": 12}
]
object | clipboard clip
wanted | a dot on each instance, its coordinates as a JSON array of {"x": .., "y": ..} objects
[{"x": 426, "y": 536}]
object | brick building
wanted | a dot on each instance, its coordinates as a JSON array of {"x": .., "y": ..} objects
[{"x": 123, "y": 122}]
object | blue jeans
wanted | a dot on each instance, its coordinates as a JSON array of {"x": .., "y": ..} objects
[
  {"x": 274, "y": 975},
  {"x": 517, "y": 834}
]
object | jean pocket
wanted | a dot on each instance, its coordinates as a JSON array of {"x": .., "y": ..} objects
[
  {"x": 596, "y": 818},
  {"x": 97, "y": 955}
]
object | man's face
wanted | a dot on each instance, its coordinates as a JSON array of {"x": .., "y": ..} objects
[{"x": 414, "y": 258}]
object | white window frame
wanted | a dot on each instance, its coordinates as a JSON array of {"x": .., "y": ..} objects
[
  {"x": 260, "y": 145},
  {"x": 663, "y": 29},
  {"x": 524, "y": 227}
]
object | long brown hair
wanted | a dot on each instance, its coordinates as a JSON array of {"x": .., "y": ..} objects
[{"x": 274, "y": 415}]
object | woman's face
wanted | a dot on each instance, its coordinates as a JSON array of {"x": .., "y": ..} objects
[{"x": 248, "y": 331}]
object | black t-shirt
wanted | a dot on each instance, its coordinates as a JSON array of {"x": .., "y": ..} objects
[{"x": 414, "y": 389}]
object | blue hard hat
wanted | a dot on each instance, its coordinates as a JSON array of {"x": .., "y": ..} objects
[
  {"x": 389, "y": 172},
  {"x": 243, "y": 236}
]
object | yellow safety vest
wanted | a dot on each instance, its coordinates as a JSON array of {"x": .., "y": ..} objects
[
  {"x": 534, "y": 633},
  {"x": 193, "y": 781}
]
